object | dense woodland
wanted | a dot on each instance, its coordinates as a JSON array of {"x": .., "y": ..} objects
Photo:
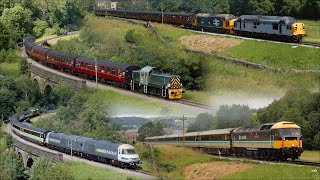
[{"x": 296, "y": 8}]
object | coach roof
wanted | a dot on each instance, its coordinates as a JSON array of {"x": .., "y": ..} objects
[{"x": 105, "y": 63}]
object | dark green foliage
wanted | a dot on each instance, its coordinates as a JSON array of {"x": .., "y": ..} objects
[
  {"x": 11, "y": 166},
  {"x": 4, "y": 38},
  {"x": 23, "y": 63},
  {"x": 9, "y": 56},
  {"x": 301, "y": 107},
  {"x": 150, "y": 129},
  {"x": 17, "y": 93},
  {"x": 203, "y": 122},
  {"x": 300, "y": 8},
  {"x": 233, "y": 116},
  {"x": 39, "y": 27},
  {"x": 39, "y": 167},
  {"x": 18, "y": 20},
  {"x": 130, "y": 121},
  {"x": 57, "y": 172}
]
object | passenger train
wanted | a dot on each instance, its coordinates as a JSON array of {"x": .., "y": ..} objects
[
  {"x": 280, "y": 28},
  {"x": 277, "y": 141},
  {"x": 114, "y": 153},
  {"x": 149, "y": 80}
]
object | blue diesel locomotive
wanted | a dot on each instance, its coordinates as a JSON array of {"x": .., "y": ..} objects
[{"x": 114, "y": 153}]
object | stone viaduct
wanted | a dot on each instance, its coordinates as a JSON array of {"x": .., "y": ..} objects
[{"x": 47, "y": 80}]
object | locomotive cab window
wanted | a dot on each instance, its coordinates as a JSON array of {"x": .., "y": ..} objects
[{"x": 275, "y": 26}]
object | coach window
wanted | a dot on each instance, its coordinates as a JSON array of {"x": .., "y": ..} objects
[
  {"x": 119, "y": 73},
  {"x": 108, "y": 70},
  {"x": 113, "y": 71}
]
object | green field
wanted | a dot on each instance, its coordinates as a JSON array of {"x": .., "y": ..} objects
[
  {"x": 312, "y": 156},
  {"x": 83, "y": 171},
  {"x": 276, "y": 171},
  {"x": 276, "y": 55},
  {"x": 180, "y": 158},
  {"x": 312, "y": 30}
]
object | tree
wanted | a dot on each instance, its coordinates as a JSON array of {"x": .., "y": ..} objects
[
  {"x": 222, "y": 6},
  {"x": 18, "y": 20},
  {"x": 11, "y": 166},
  {"x": 4, "y": 37},
  {"x": 7, "y": 102},
  {"x": 263, "y": 7},
  {"x": 233, "y": 116},
  {"x": 150, "y": 129},
  {"x": 39, "y": 167},
  {"x": 57, "y": 172},
  {"x": 39, "y": 27},
  {"x": 203, "y": 122},
  {"x": 62, "y": 94}
]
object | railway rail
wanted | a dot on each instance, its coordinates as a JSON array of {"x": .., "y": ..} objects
[
  {"x": 310, "y": 44},
  {"x": 305, "y": 163},
  {"x": 296, "y": 162},
  {"x": 181, "y": 101}
]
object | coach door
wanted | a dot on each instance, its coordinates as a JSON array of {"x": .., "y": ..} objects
[{"x": 271, "y": 140}]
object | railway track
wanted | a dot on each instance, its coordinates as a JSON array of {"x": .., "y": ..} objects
[
  {"x": 311, "y": 44},
  {"x": 304, "y": 163},
  {"x": 143, "y": 23}
]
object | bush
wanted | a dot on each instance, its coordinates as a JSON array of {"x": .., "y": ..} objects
[
  {"x": 39, "y": 167},
  {"x": 56, "y": 172},
  {"x": 11, "y": 166},
  {"x": 132, "y": 37},
  {"x": 39, "y": 27},
  {"x": 168, "y": 167}
]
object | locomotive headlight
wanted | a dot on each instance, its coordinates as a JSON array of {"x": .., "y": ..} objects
[
  {"x": 292, "y": 145},
  {"x": 169, "y": 85}
]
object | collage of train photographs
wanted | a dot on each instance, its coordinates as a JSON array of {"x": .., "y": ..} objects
[{"x": 159, "y": 89}]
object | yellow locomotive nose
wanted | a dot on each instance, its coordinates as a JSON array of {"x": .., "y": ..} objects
[
  {"x": 175, "y": 90},
  {"x": 298, "y": 31}
]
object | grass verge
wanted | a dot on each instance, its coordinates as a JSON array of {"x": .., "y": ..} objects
[
  {"x": 276, "y": 55},
  {"x": 277, "y": 171},
  {"x": 312, "y": 30},
  {"x": 312, "y": 156},
  {"x": 84, "y": 171}
]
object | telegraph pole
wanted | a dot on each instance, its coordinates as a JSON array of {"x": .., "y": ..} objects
[
  {"x": 96, "y": 68},
  {"x": 183, "y": 139}
]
